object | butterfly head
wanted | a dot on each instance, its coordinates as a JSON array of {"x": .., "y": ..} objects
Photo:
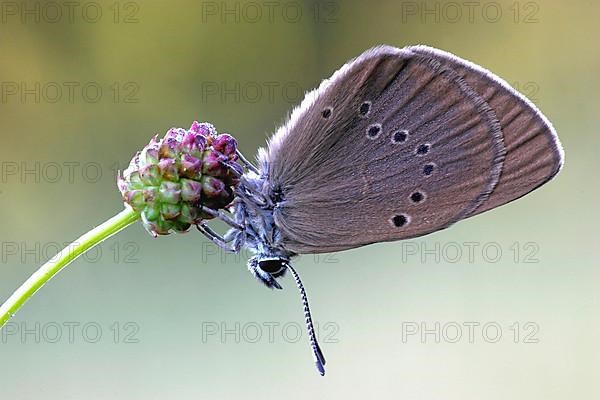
[{"x": 267, "y": 268}]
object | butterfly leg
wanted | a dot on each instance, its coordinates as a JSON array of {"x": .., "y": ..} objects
[
  {"x": 247, "y": 163},
  {"x": 233, "y": 167},
  {"x": 252, "y": 195},
  {"x": 236, "y": 237},
  {"x": 217, "y": 239},
  {"x": 222, "y": 216}
]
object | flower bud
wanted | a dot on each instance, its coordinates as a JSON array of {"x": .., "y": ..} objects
[
  {"x": 226, "y": 145},
  {"x": 172, "y": 178}
]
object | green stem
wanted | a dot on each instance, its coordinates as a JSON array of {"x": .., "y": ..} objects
[{"x": 64, "y": 258}]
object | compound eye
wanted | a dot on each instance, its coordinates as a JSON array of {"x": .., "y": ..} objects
[{"x": 273, "y": 267}]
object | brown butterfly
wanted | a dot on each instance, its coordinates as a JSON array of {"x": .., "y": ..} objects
[{"x": 398, "y": 143}]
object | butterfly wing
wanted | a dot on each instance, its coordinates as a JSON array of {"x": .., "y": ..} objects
[
  {"x": 396, "y": 144},
  {"x": 533, "y": 152}
]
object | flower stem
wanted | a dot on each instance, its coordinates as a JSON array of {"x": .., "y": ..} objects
[{"x": 64, "y": 258}]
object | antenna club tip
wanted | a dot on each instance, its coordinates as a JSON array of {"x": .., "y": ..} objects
[{"x": 320, "y": 368}]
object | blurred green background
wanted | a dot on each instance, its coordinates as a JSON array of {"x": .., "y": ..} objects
[{"x": 86, "y": 84}]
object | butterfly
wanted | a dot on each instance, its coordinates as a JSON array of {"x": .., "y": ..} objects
[{"x": 396, "y": 144}]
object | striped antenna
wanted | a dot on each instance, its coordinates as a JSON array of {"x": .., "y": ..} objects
[{"x": 317, "y": 354}]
